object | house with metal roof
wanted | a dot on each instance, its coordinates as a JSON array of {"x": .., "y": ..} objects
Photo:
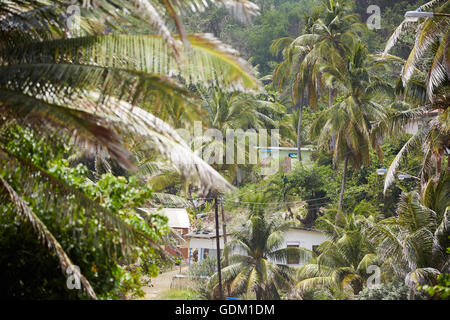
[
  {"x": 203, "y": 243},
  {"x": 178, "y": 221}
]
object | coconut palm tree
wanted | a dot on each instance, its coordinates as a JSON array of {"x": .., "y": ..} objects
[
  {"x": 261, "y": 269},
  {"x": 329, "y": 35},
  {"x": 425, "y": 85},
  {"x": 341, "y": 267},
  {"x": 432, "y": 38},
  {"x": 414, "y": 242},
  {"x": 97, "y": 82},
  {"x": 432, "y": 136},
  {"x": 350, "y": 119},
  {"x": 233, "y": 111}
]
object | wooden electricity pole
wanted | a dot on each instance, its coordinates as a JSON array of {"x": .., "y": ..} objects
[
  {"x": 219, "y": 270},
  {"x": 224, "y": 229}
]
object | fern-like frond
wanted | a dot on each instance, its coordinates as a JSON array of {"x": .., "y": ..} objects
[
  {"x": 23, "y": 210},
  {"x": 414, "y": 141},
  {"x": 440, "y": 68},
  {"x": 208, "y": 61},
  {"x": 401, "y": 29},
  {"x": 87, "y": 129}
]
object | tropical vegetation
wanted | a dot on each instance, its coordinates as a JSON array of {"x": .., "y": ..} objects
[{"x": 100, "y": 102}]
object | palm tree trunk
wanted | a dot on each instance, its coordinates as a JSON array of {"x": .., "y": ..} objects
[
  {"x": 341, "y": 196},
  {"x": 330, "y": 104},
  {"x": 330, "y": 97},
  {"x": 411, "y": 294},
  {"x": 299, "y": 127},
  {"x": 438, "y": 166}
]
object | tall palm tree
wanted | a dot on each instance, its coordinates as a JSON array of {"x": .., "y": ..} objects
[
  {"x": 232, "y": 111},
  {"x": 433, "y": 36},
  {"x": 432, "y": 136},
  {"x": 97, "y": 83},
  {"x": 414, "y": 242},
  {"x": 329, "y": 35},
  {"x": 261, "y": 269},
  {"x": 425, "y": 83},
  {"x": 351, "y": 117},
  {"x": 341, "y": 266}
]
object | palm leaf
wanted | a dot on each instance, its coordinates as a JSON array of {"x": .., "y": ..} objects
[
  {"x": 45, "y": 235},
  {"x": 440, "y": 68},
  {"x": 411, "y": 143},
  {"x": 208, "y": 61},
  {"x": 405, "y": 25}
]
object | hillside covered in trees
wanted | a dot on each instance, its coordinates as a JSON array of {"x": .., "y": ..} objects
[{"x": 285, "y": 118}]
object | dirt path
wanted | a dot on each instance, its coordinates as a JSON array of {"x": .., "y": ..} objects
[{"x": 161, "y": 284}]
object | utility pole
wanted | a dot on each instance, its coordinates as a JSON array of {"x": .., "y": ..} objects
[
  {"x": 224, "y": 228},
  {"x": 219, "y": 271}
]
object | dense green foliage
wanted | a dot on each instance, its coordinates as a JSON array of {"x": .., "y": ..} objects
[
  {"x": 389, "y": 291},
  {"x": 94, "y": 249},
  {"x": 88, "y": 144}
]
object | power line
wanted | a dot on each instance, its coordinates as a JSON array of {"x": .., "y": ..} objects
[{"x": 290, "y": 202}]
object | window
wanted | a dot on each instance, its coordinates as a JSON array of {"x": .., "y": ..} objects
[
  {"x": 205, "y": 253},
  {"x": 293, "y": 258}
]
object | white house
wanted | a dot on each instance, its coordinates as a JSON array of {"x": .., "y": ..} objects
[
  {"x": 298, "y": 237},
  {"x": 204, "y": 242}
]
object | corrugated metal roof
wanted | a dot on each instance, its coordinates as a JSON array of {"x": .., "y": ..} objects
[
  {"x": 178, "y": 217},
  {"x": 203, "y": 234}
]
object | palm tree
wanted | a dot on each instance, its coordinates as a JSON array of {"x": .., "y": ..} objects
[
  {"x": 414, "y": 242},
  {"x": 341, "y": 267},
  {"x": 261, "y": 269},
  {"x": 352, "y": 116},
  {"x": 232, "y": 111},
  {"x": 329, "y": 36},
  {"x": 432, "y": 135},
  {"x": 433, "y": 37},
  {"x": 97, "y": 83},
  {"x": 425, "y": 85}
]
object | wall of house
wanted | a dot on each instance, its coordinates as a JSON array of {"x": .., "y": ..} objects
[
  {"x": 302, "y": 238},
  {"x": 205, "y": 243},
  {"x": 306, "y": 239}
]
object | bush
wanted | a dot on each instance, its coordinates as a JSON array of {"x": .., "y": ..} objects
[
  {"x": 442, "y": 288},
  {"x": 72, "y": 211},
  {"x": 200, "y": 274},
  {"x": 389, "y": 291}
]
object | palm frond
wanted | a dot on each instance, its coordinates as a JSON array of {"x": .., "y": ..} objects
[
  {"x": 440, "y": 68},
  {"x": 411, "y": 143},
  {"x": 208, "y": 61},
  {"x": 24, "y": 211},
  {"x": 87, "y": 129},
  {"x": 168, "y": 199},
  {"x": 401, "y": 29},
  {"x": 280, "y": 44},
  {"x": 405, "y": 25},
  {"x": 421, "y": 276}
]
